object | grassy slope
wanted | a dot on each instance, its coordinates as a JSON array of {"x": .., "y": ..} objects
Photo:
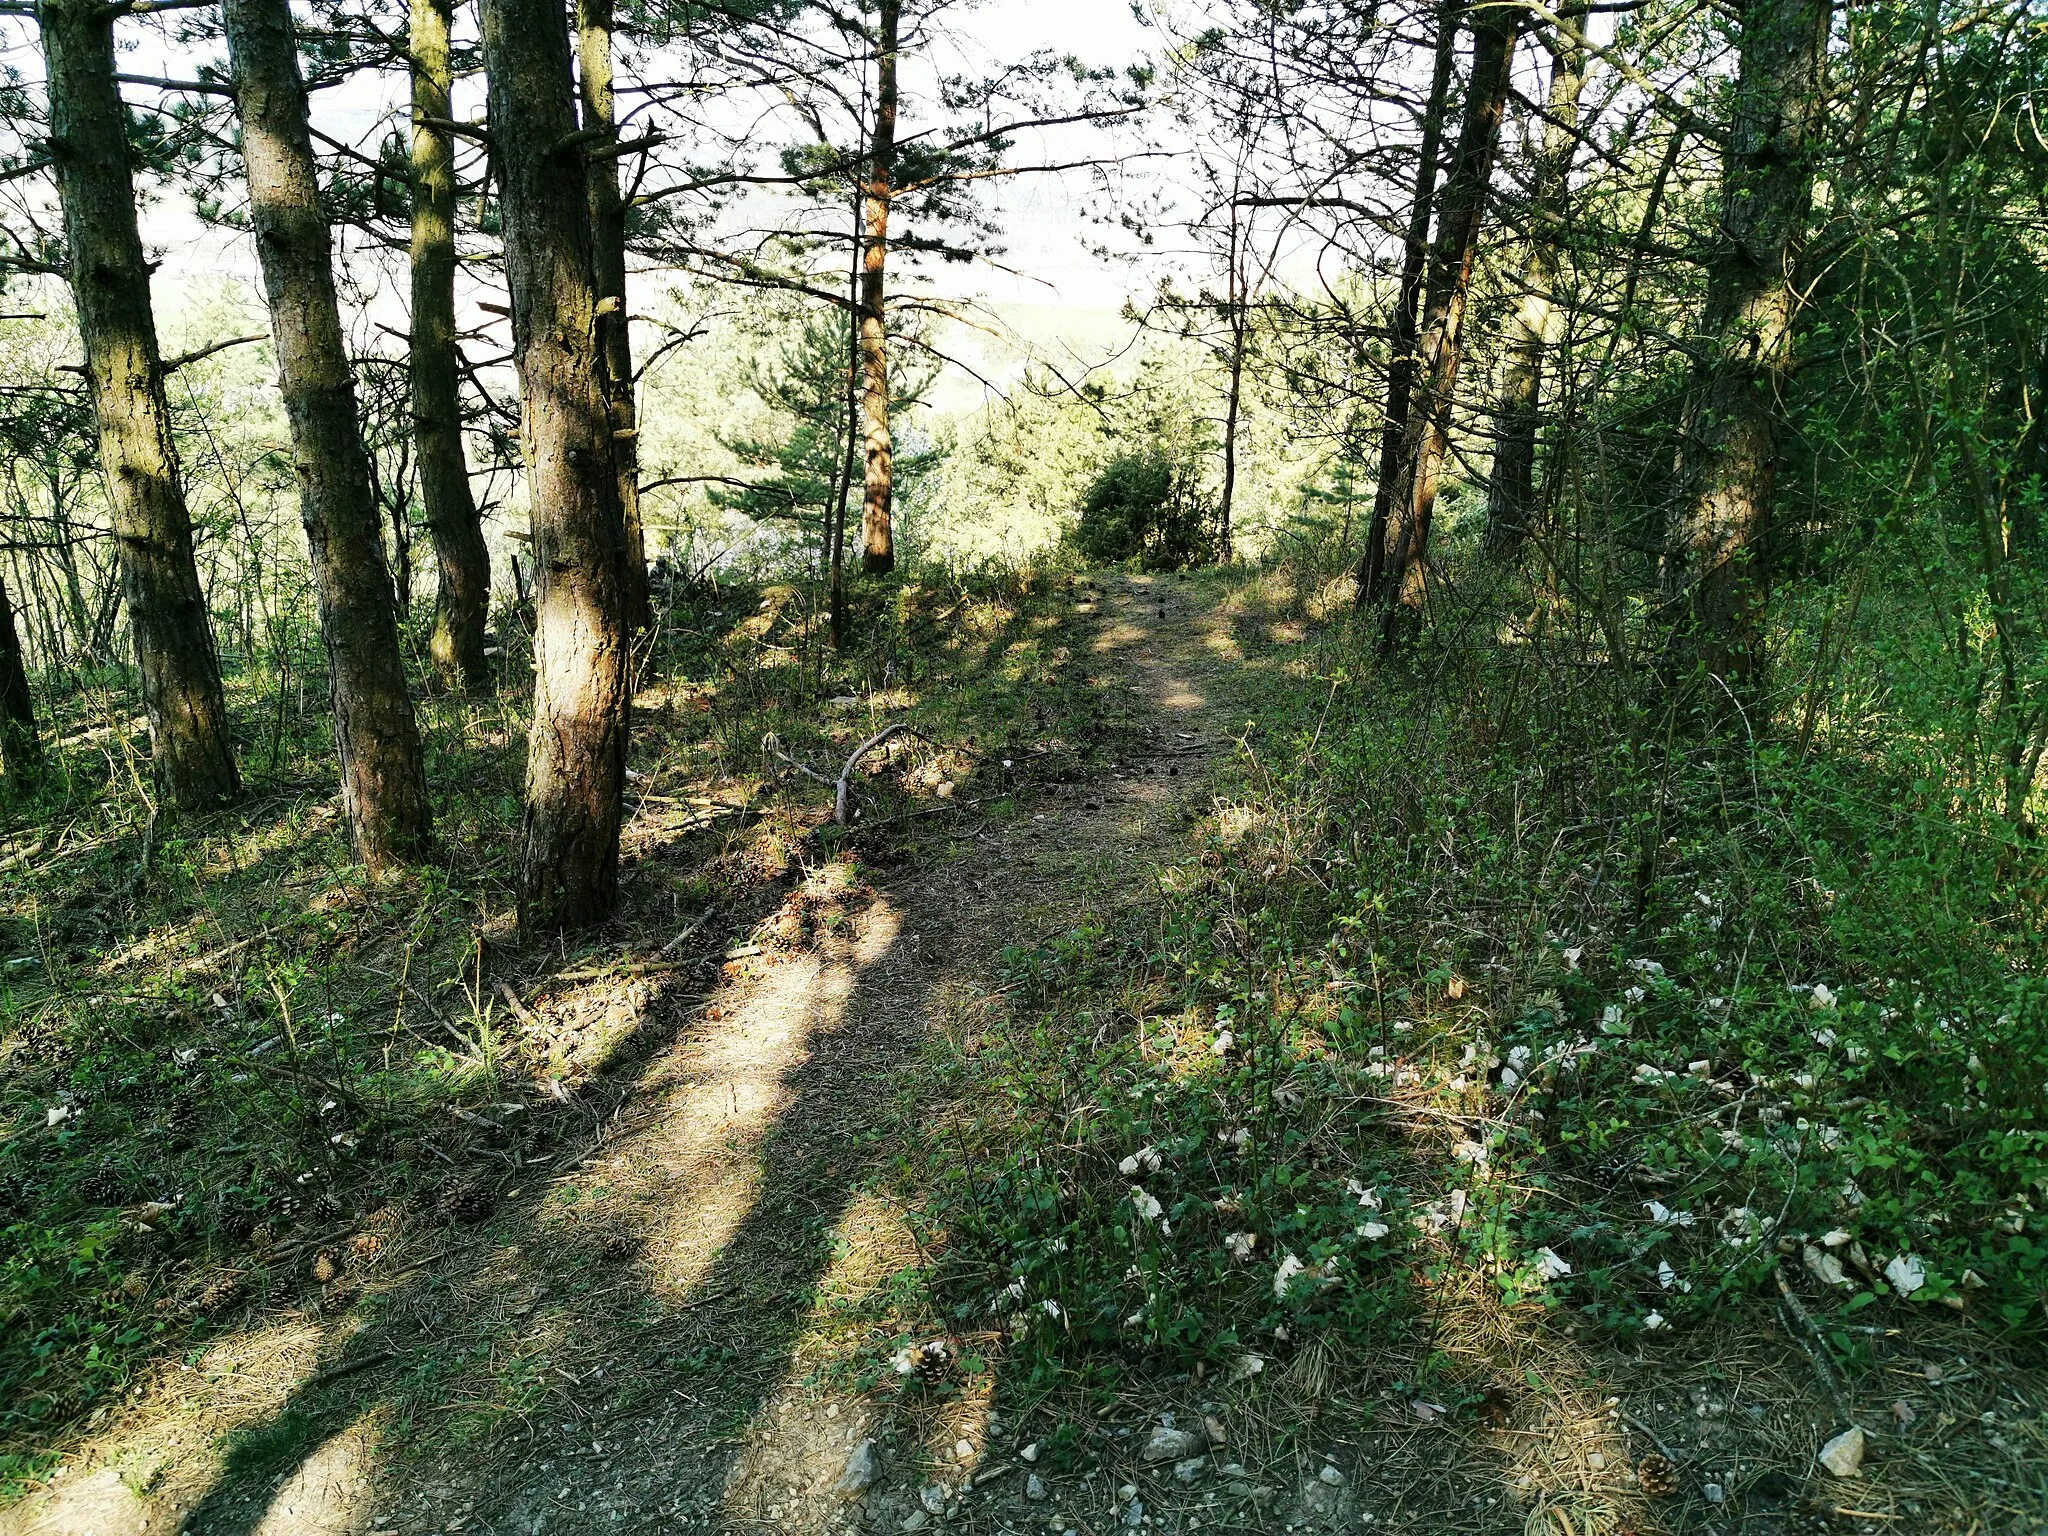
[{"x": 236, "y": 1076}]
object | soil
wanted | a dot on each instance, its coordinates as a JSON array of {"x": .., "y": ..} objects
[{"x": 674, "y": 1326}]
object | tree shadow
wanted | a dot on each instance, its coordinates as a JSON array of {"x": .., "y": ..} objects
[{"x": 659, "y": 1302}]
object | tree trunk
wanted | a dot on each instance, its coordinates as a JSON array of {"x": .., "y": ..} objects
[
  {"x": 1440, "y": 334},
  {"x": 842, "y": 485},
  {"x": 608, "y": 263},
  {"x": 582, "y": 663},
  {"x": 181, "y": 691},
  {"x": 383, "y": 784},
  {"x": 878, "y": 537},
  {"x": 1234, "y": 392},
  {"x": 1408, "y": 304},
  {"x": 1716, "y": 578},
  {"x": 21, "y": 750},
  {"x": 1511, "y": 490},
  {"x": 462, "y": 598}
]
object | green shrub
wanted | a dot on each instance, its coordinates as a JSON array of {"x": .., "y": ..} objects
[{"x": 1143, "y": 506}]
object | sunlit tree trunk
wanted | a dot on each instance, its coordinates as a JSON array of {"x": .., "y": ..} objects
[
  {"x": 1461, "y": 210},
  {"x": 181, "y": 688},
  {"x": 878, "y": 537},
  {"x": 462, "y": 598},
  {"x": 1716, "y": 576},
  {"x": 383, "y": 784},
  {"x": 1408, "y": 304},
  {"x": 576, "y": 749},
  {"x": 1511, "y": 489},
  {"x": 608, "y": 259},
  {"x": 21, "y": 749}
]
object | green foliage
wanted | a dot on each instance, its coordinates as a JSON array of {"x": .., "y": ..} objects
[{"x": 1141, "y": 507}]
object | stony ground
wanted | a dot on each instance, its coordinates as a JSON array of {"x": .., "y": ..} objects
[{"x": 677, "y": 1330}]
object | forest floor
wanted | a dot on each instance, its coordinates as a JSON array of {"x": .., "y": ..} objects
[{"x": 689, "y": 1326}]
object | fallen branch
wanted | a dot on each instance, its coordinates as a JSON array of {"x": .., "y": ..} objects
[
  {"x": 842, "y": 791},
  {"x": 841, "y": 787}
]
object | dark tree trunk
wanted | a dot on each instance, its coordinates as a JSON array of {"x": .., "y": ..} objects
[
  {"x": 608, "y": 264},
  {"x": 878, "y": 535},
  {"x": 383, "y": 785},
  {"x": 1511, "y": 490},
  {"x": 1716, "y": 579},
  {"x": 1408, "y": 303},
  {"x": 1411, "y": 507},
  {"x": 181, "y": 691},
  {"x": 1234, "y": 390},
  {"x": 462, "y": 598},
  {"x": 582, "y": 663},
  {"x": 21, "y": 749},
  {"x": 835, "y": 536}
]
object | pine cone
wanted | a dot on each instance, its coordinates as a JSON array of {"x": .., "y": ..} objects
[
  {"x": 1658, "y": 1477},
  {"x": 468, "y": 1203},
  {"x": 107, "y": 1185},
  {"x": 930, "y": 1361},
  {"x": 218, "y": 1294}
]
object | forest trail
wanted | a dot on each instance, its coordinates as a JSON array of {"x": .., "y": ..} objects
[{"x": 662, "y": 1316}]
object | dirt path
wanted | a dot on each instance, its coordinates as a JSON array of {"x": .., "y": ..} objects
[{"x": 669, "y": 1322}]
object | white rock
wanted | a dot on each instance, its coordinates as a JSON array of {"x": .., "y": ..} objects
[
  {"x": 1171, "y": 1445},
  {"x": 1332, "y": 1476},
  {"x": 1843, "y": 1455},
  {"x": 1030, "y": 1452},
  {"x": 1034, "y": 1488},
  {"x": 860, "y": 1471}
]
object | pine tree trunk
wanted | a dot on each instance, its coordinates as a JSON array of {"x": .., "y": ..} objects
[
  {"x": 608, "y": 260},
  {"x": 1408, "y": 305},
  {"x": 1716, "y": 575},
  {"x": 21, "y": 749},
  {"x": 181, "y": 690},
  {"x": 383, "y": 784},
  {"x": 1511, "y": 489},
  {"x": 1440, "y": 334},
  {"x": 1234, "y": 391},
  {"x": 878, "y": 536},
  {"x": 462, "y": 598},
  {"x": 576, "y": 749}
]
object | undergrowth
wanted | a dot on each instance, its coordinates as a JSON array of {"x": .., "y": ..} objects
[
  {"x": 231, "y": 1068},
  {"x": 1476, "y": 969}
]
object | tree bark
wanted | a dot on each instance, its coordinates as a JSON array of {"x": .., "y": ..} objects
[
  {"x": 383, "y": 783},
  {"x": 462, "y": 598},
  {"x": 1716, "y": 575},
  {"x": 576, "y": 750},
  {"x": 1511, "y": 489},
  {"x": 1401, "y": 356},
  {"x": 608, "y": 262},
  {"x": 1440, "y": 334},
  {"x": 1238, "y": 301},
  {"x": 878, "y": 537},
  {"x": 181, "y": 690},
  {"x": 21, "y": 749}
]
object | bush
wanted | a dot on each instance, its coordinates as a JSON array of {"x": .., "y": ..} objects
[{"x": 1142, "y": 506}]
